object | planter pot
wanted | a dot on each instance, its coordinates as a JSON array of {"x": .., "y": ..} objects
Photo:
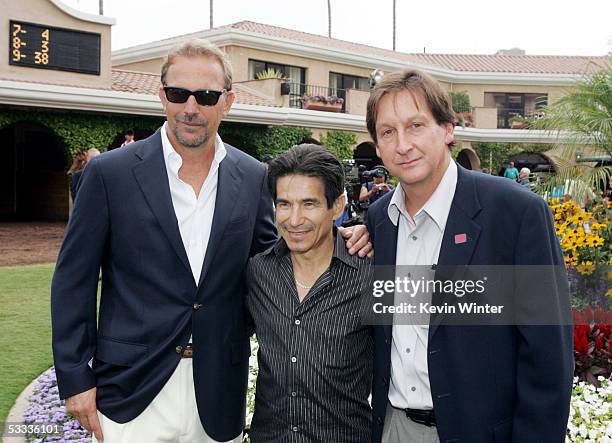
[
  {"x": 518, "y": 125},
  {"x": 320, "y": 106},
  {"x": 467, "y": 118}
]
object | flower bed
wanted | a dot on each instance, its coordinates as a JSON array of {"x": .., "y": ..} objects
[
  {"x": 590, "y": 411},
  {"x": 585, "y": 237},
  {"x": 47, "y": 408},
  {"x": 590, "y": 418}
]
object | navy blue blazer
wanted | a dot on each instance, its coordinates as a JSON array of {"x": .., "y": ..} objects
[
  {"x": 124, "y": 223},
  {"x": 74, "y": 183},
  {"x": 488, "y": 383}
]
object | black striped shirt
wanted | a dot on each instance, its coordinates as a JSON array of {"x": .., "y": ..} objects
[{"x": 315, "y": 357}]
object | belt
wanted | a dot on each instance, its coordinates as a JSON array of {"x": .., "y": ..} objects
[
  {"x": 425, "y": 417},
  {"x": 185, "y": 352}
]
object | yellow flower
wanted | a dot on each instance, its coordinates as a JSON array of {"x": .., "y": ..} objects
[
  {"x": 585, "y": 269},
  {"x": 609, "y": 293}
]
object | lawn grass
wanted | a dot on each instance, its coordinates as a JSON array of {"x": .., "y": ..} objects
[{"x": 25, "y": 329}]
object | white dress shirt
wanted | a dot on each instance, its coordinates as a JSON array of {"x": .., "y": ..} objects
[
  {"x": 418, "y": 243},
  {"x": 194, "y": 213}
]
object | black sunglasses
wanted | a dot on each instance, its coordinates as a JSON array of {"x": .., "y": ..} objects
[{"x": 204, "y": 97}]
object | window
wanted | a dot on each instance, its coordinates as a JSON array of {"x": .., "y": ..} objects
[
  {"x": 514, "y": 104},
  {"x": 345, "y": 81},
  {"x": 295, "y": 74}
]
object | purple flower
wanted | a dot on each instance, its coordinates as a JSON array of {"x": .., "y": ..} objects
[{"x": 46, "y": 408}]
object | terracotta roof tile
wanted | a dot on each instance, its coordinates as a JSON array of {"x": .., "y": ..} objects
[
  {"x": 133, "y": 81},
  {"x": 148, "y": 83},
  {"x": 532, "y": 64},
  {"x": 527, "y": 64}
]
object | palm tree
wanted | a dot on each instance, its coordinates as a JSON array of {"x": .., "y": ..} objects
[
  {"x": 211, "y": 14},
  {"x": 585, "y": 113},
  {"x": 101, "y": 6}
]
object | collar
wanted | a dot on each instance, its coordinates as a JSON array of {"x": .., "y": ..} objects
[
  {"x": 437, "y": 206},
  {"x": 340, "y": 252},
  {"x": 174, "y": 161}
]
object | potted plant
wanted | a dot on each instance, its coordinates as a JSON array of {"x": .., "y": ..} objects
[
  {"x": 518, "y": 122},
  {"x": 461, "y": 105},
  {"x": 329, "y": 103},
  {"x": 270, "y": 73}
]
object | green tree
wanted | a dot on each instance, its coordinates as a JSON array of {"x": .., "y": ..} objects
[
  {"x": 585, "y": 113},
  {"x": 460, "y": 101}
]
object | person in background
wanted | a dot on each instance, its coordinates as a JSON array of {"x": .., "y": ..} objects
[
  {"x": 511, "y": 172},
  {"x": 523, "y": 177},
  {"x": 266, "y": 159},
  {"x": 375, "y": 189},
  {"x": 76, "y": 176},
  {"x": 129, "y": 137}
]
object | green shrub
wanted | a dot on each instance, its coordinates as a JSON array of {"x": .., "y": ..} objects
[{"x": 340, "y": 143}]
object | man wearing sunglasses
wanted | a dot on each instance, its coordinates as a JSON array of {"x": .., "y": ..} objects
[{"x": 168, "y": 221}]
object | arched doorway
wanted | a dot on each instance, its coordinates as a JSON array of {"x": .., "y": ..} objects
[
  {"x": 535, "y": 161},
  {"x": 33, "y": 181},
  {"x": 469, "y": 159}
]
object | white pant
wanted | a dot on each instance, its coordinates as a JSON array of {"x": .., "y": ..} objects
[{"x": 172, "y": 416}]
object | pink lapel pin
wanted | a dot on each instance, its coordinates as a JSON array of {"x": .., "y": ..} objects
[{"x": 460, "y": 238}]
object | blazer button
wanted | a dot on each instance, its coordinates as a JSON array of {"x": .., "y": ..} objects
[
  {"x": 385, "y": 380},
  {"x": 197, "y": 306},
  {"x": 379, "y": 420},
  {"x": 178, "y": 349}
]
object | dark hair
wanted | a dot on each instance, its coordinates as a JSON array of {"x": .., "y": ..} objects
[
  {"x": 309, "y": 160},
  {"x": 129, "y": 132},
  {"x": 416, "y": 82}
]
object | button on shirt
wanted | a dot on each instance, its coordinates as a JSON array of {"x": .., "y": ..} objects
[
  {"x": 419, "y": 240},
  {"x": 315, "y": 357},
  {"x": 193, "y": 213}
]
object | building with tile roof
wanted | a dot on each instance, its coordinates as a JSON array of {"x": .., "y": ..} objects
[{"x": 99, "y": 84}]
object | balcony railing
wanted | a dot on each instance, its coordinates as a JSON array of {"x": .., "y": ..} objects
[
  {"x": 298, "y": 90},
  {"x": 505, "y": 114}
]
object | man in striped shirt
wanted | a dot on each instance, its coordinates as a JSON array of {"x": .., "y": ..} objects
[{"x": 315, "y": 356}]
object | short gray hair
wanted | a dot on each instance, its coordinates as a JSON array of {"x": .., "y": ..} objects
[{"x": 198, "y": 47}]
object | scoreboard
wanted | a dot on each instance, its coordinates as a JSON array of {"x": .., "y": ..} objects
[{"x": 48, "y": 47}]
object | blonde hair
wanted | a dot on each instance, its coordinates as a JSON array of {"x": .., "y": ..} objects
[
  {"x": 194, "y": 48},
  {"x": 92, "y": 152}
]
